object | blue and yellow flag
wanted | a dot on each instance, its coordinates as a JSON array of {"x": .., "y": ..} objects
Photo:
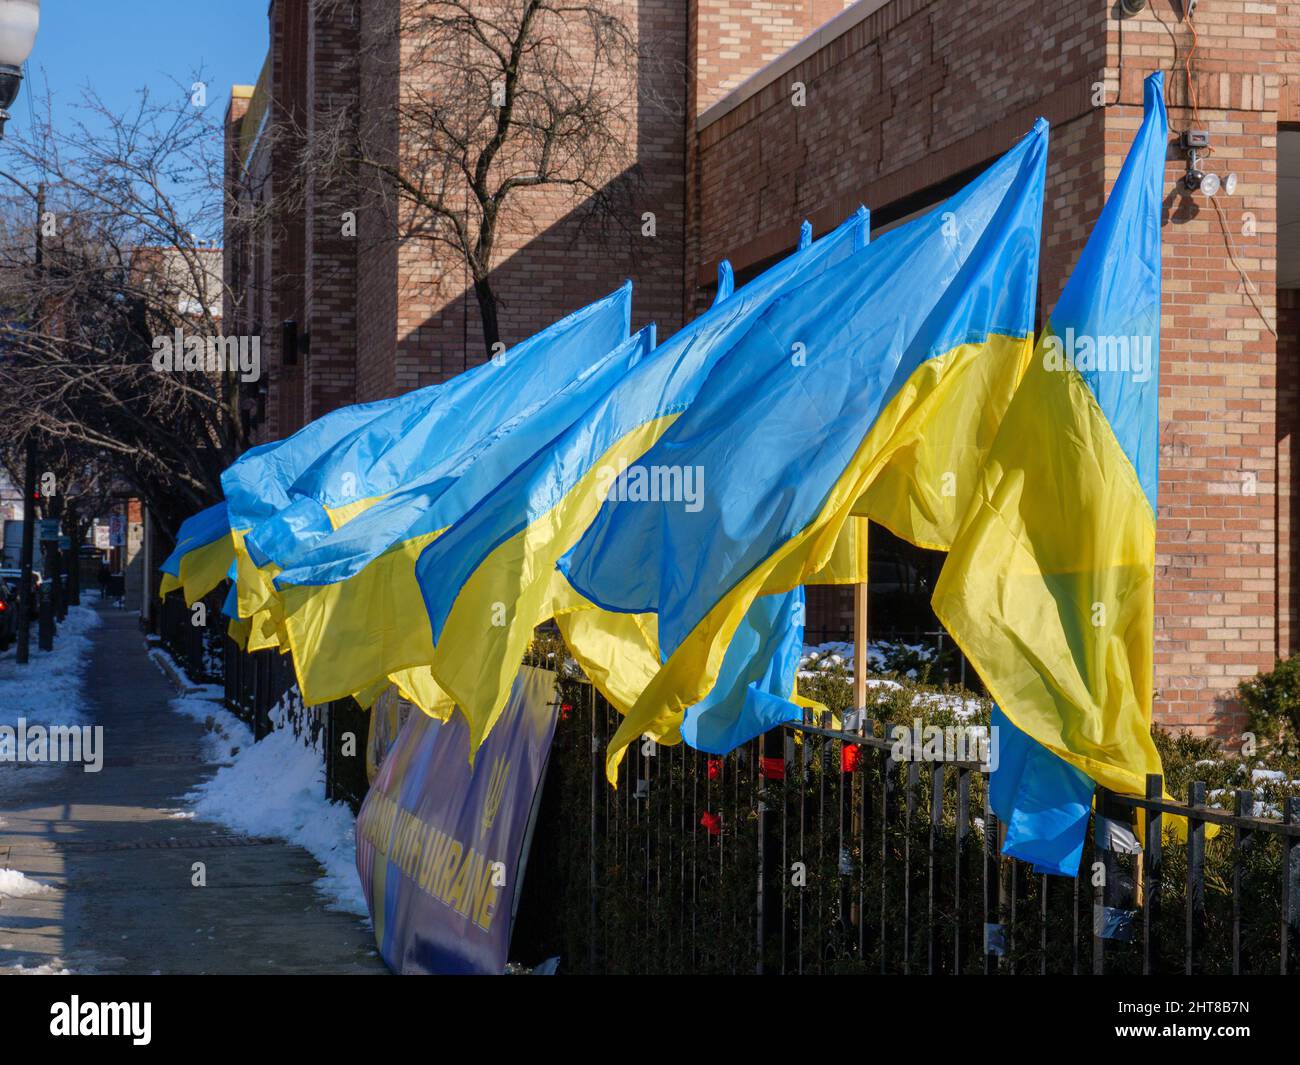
[
  {"x": 421, "y": 443},
  {"x": 756, "y": 685},
  {"x": 353, "y": 613},
  {"x": 1049, "y": 585},
  {"x": 286, "y": 497},
  {"x": 490, "y": 579},
  {"x": 873, "y": 390},
  {"x": 202, "y": 556}
]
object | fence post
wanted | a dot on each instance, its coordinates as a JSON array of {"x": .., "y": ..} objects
[
  {"x": 331, "y": 766},
  {"x": 865, "y": 929},
  {"x": 1151, "y": 868},
  {"x": 849, "y": 753},
  {"x": 593, "y": 871},
  {"x": 960, "y": 859},
  {"x": 1194, "y": 938},
  {"x": 772, "y": 777},
  {"x": 1102, "y": 853},
  {"x": 1244, "y": 807},
  {"x": 994, "y": 942},
  {"x": 936, "y": 819},
  {"x": 1290, "y": 889},
  {"x": 909, "y": 811},
  {"x": 887, "y": 801}
]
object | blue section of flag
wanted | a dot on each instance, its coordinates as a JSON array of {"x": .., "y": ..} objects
[
  {"x": 1042, "y": 799},
  {"x": 1111, "y": 299},
  {"x": 198, "y": 530},
  {"x": 752, "y": 692}
]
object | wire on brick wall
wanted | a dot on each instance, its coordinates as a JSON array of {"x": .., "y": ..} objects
[{"x": 1193, "y": 98}]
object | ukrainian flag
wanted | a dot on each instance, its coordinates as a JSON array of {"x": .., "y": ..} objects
[
  {"x": 873, "y": 391},
  {"x": 490, "y": 579},
  {"x": 445, "y": 432},
  {"x": 287, "y": 496},
  {"x": 1049, "y": 586},
  {"x": 257, "y": 487},
  {"x": 203, "y": 554},
  {"x": 352, "y": 609},
  {"x": 756, "y": 686}
]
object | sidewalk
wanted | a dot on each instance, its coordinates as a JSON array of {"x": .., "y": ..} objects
[{"x": 119, "y": 862}]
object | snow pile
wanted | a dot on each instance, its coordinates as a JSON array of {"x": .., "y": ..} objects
[
  {"x": 17, "y": 885},
  {"x": 276, "y": 787},
  {"x": 47, "y": 691},
  {"x": 226, "y": 735},
  {"x": 883, "y": 656},
  {"x": 49, "y": 968}
]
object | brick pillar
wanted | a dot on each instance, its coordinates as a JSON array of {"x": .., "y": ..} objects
[
  {"x": 1218, "y": 594},
  {"x": 331, "y": 254}
]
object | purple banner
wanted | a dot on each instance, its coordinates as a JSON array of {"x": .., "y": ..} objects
[{"x": 440, "y": 844}]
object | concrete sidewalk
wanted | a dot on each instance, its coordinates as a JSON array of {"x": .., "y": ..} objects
[{"x": 120, "y": 861}]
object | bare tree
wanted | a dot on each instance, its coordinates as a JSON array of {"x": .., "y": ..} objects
[
  {"x": 129, "y": 268},
  {"x": 496, "y": 97}
]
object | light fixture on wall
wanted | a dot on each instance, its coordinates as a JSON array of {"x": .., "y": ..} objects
[{"x": 1195, "y": 143}]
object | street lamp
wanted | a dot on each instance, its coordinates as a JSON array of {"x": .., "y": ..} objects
[{"x": 19, "y": 20}]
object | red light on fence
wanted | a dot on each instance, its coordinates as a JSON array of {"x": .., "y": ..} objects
[
  {"x": 715, "y": 768},
  {"x": 566, "y": 711},
  {"x": 850, "y": 757},
  {"x": 712, "y": 823}
]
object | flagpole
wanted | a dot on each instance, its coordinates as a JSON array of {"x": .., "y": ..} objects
[{"x": 860, "y": 644}]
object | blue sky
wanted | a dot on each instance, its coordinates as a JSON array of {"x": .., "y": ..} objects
[{"x": 121, "y": 45}]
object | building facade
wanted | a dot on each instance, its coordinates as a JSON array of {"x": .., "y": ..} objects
[{"x": 750, "y": 117}]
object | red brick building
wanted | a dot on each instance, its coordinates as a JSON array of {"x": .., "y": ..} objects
[{"x": 768, "y": 113}]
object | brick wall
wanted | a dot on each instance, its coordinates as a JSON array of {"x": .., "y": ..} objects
[
  {"x": 549, "y": 259},
  {"x": 1218, "y": 581},
  {"x": 915, "y": 95},
  {"x": 734, "y": 40},
  {"x": 285, "y": 231},
  {"x": 330, "y": 281},
  {"x": 907, "y": 101},
  {"x": 377, "y": 280}
]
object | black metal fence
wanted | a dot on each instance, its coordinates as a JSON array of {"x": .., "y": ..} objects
[
  {"x": 258, "y": 682},
  {"x": 813, "y": 850},
  {"x": 193, "y": 638}
]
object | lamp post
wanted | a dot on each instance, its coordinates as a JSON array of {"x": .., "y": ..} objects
[
  {"x": 23, "y": 651},
  {"x": 19, "y": 20}
]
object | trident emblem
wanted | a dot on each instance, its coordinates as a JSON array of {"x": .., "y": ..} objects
[{"x": 496, "y": 792}]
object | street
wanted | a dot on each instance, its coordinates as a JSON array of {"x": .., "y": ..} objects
[{"x": 118, "y": 857}]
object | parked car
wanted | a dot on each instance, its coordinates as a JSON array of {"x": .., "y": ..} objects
[
  {"x": 12, "y": 578},
  {"x": 8, "y": 613}
]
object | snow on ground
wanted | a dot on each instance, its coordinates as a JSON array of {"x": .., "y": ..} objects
[
  {"x": 48, "y": 968},
  {"x": 227, "y": 736},
  {"x": 58, "y": 698},
  {"x": 18, "y": 885},
  {"x": 838, "y": 655},
  {"x": 275, "y": 787}
]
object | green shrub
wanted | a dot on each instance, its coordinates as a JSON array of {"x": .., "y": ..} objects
[{"x": 1272, "y": 701}]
